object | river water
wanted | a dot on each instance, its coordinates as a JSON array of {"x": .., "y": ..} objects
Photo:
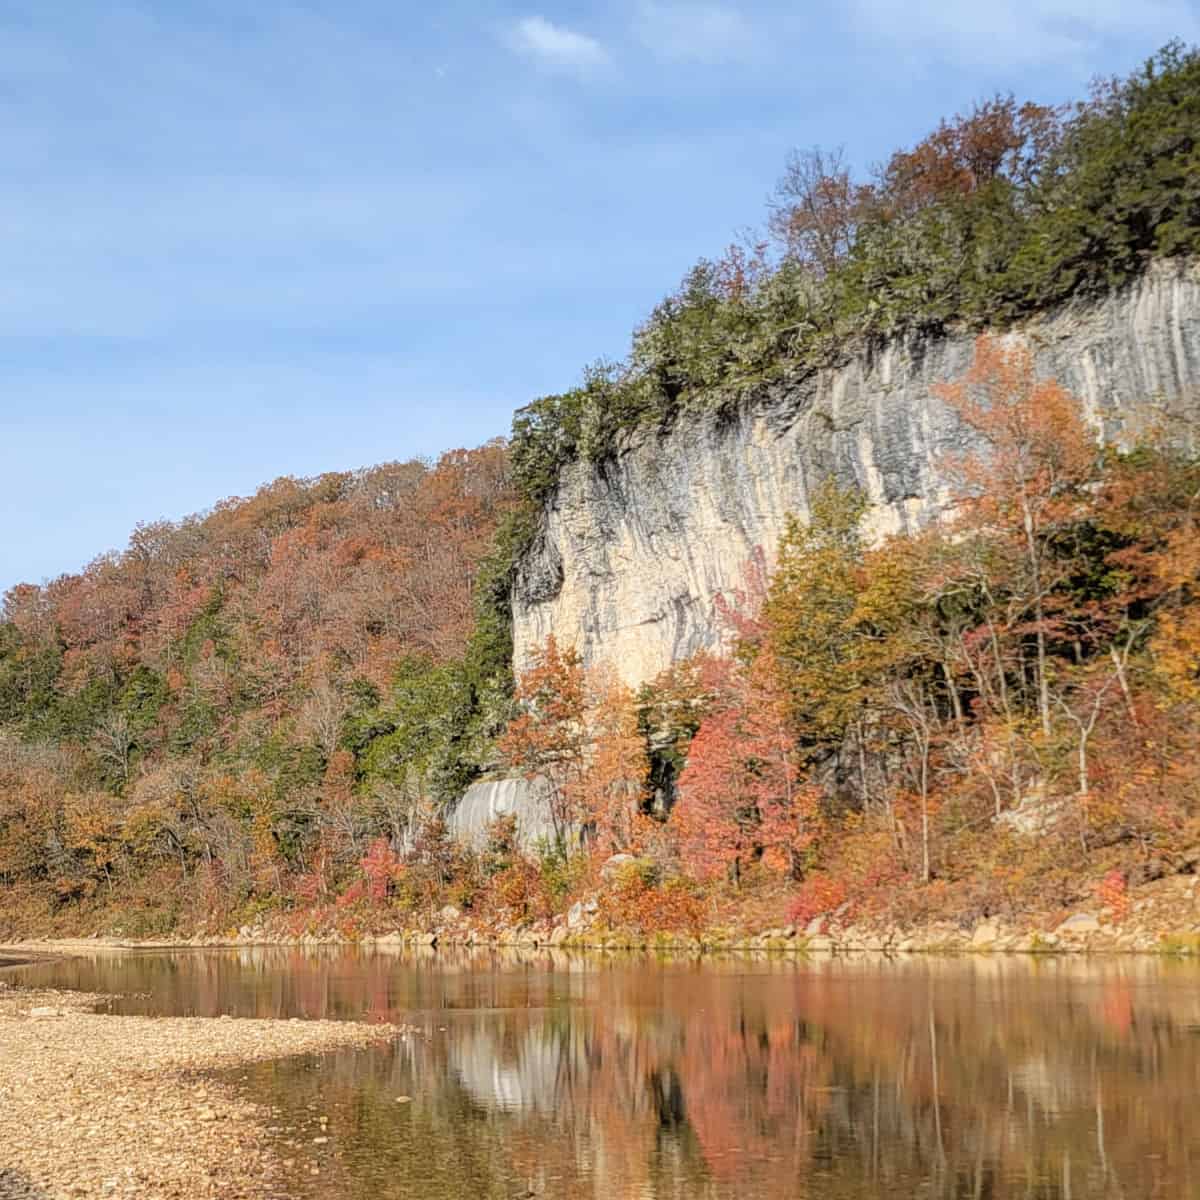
[{"x": 613, "y": 1078}]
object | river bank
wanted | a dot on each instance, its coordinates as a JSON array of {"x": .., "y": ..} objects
[
  {"x": 94, "y": 1105},
  {"x": 1159, "y": 917}
]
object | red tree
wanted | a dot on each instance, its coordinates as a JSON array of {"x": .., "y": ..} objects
[{"x": 741, "y": 796}]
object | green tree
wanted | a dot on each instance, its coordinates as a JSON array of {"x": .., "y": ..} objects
[{"x": 809, "y": 612}]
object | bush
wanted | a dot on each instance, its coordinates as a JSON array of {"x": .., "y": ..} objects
[
  {"x": 636, "y": 902},
  {"x": 817, "y": 896}
]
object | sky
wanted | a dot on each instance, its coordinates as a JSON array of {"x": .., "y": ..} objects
[{"x": 239, "y": 241}]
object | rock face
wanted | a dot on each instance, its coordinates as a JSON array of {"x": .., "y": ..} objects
[
  {"x": 485, "y": 800},
  {"x": 634, "y": 551}
]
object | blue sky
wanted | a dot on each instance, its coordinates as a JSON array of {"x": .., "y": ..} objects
[{"x": 245, "y": 240}]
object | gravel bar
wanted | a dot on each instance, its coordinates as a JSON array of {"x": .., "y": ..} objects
[{"x": 94, "y": 1105}]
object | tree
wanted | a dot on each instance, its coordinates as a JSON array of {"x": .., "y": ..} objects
[
  {"x": 998, "y": 139},
  {"x": 322, "y": 714},
  {"x": 897, "y": 646},
  {"x": 548, "y": 739},
  {"x": 816, "y": 209},
  {"x": 381, "y": 868},
  {"x": 615, "y": 781},
  {"x": 741, "y": 795},
  {"x": 1034, "y": 458},
  {"x": 1085, "y": 700},
  {"x": 114, "y": 741},
  {"x": 808, "y": 613}
]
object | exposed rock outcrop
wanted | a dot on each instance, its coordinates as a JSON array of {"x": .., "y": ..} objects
[
  {"x": 487, "y": 799},
  {"x": 634, "y": 551}
]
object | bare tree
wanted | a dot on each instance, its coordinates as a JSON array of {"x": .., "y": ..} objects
[
  {"x": 1090, "y": 703},
  {"x": 816, "y": 207},
  {"x": 114, "y": 742},
  {"x": 908, "y": 701},
  {"x": 323, "y": 714}
]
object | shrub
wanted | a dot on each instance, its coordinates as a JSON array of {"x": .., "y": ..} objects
[
  {"x": 636, "y": 902},
  {"x": 817, "y": 896}
]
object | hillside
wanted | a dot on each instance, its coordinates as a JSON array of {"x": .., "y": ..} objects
[
  {"x": 270, "y": 709},
  {"x": 228, "y": 689}
]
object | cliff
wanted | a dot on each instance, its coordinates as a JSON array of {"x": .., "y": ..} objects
[{"x": 633, "y": 551}]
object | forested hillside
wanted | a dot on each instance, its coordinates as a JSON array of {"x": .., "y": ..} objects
[
  {"x": 208, "y": 705},
  {"x": 268, "y": 707}
]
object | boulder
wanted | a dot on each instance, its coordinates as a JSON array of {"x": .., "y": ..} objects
[
  {"x": 529, "y": 801},
  {"x": 985, "y": 935},
  {"x": 1079, "y": 923}
]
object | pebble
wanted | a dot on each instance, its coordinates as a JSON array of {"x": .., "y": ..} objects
[{"x": 74, "y": 1094}]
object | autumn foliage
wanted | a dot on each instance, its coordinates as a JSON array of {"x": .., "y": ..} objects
[
  {"x": 990, "y": 715},
  {"x": 228, "y": 708}
]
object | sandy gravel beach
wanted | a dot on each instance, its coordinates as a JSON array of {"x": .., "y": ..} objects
[{"x": 94, "y": 1105}]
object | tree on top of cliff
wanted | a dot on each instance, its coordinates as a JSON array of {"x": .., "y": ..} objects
[{"x": 1000, "y": 212}]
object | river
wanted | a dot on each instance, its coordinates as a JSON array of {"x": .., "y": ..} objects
[{"x": 547, "y": 1075}]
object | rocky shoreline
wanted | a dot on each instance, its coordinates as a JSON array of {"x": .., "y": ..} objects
[
  {"x": 1161, "y": 917},
  {"x": 94, "y": 1105}
]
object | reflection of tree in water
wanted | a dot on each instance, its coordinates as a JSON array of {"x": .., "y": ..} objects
[
  {"x": 939, "y": 1082},
  {"x": 1049, "y": 1080}
]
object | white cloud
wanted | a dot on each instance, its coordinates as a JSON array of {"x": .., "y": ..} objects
[
  {"x": 555, "y": 45},
  {"x": 1021, "y": 31},
  {"x": 693, "y": 32}
]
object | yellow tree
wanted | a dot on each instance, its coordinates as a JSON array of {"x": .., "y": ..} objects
[{"x": 808, "y": 613}]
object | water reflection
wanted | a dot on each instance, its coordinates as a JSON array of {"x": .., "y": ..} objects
[{"x": 570, "y": 1077}]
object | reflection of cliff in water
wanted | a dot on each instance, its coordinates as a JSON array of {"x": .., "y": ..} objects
[
  {"x": 955, "y": 1084},
  {"x": 623, "y": 1078},
  {"x": 533, "y": 1071}
]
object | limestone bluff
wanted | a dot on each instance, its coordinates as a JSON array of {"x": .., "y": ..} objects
[{"x": 633, "y": 551}]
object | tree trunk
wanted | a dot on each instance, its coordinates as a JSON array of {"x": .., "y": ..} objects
[
  {"x": 1035, "y": 572},
  {"x": 925, "y": 871}
]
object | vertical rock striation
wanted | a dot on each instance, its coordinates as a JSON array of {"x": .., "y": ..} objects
[
  {"x": 486, "y": 800},
  {"x": 633, "y": 551}
]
